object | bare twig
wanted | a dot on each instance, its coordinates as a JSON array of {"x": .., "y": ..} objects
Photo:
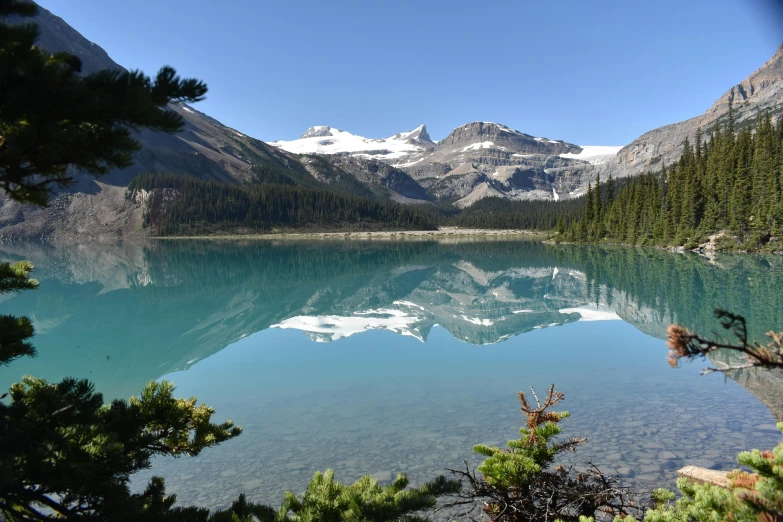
[{"x": 686, "y": 345}]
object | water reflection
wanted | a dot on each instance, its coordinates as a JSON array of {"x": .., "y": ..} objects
[{"x": 125, "y": 313}]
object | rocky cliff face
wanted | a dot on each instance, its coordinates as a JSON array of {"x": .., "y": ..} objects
[
  {"x": 761, "y": 91},
  {"x": 501, "y": 162},
  {"x": 383, "y": 180}
]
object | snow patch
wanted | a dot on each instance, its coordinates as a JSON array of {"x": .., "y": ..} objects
[
  {"x": 478, "y": 146},
  {"x": 409, "y": 164},
  {"x": 589, "y": 314},
  {"x": 476, "y": 320},
  {"x": 338, "y": 327},
  {"x": 595, "y": 154},
  {"x": 408, "y": 303}
]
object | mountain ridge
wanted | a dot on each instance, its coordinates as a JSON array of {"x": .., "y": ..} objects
[
  {"x": 759, "y": 92},
  {"x": 475, "y": 160}
]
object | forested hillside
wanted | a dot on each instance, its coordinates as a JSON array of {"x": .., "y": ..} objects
[
  {"x": 728, "y": 186},
  {"x": 184, "y": 205}
]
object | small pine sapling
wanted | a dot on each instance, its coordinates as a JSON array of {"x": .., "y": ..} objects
[{"x": 516, "y": 483}]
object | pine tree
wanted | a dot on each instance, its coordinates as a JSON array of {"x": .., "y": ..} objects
[
  {"x": 518, "y": 484},
  {"x": 327, "y": 500},
  {"x": 597, "y": 224},
  {"x": 64, "y": 454},
  {"x": 610, "y": 190},
  {"x": 587, "y": 230},
  {"x": 751, "y": 496}
]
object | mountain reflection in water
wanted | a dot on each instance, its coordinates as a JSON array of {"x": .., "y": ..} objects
[
  {"x": 126, "y": 313},
  {"x": 420, "y": 348}
]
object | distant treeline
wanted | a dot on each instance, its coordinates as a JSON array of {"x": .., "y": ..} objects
[
  {"x": 524, "y": 215},
  {"x": 732, "y": 181},
  {"x": 185, "y": 205}
]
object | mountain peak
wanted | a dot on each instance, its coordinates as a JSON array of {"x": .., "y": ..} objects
[
  {"x": 417, "y": 135},
  {"x": 488, "y": 134},
  {"x": 317, "y": 131}
]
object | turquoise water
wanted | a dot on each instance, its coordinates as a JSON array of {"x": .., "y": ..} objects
[{"x": 370, "y": 357}]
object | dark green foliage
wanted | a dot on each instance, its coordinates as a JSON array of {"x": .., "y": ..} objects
[
  {"x": 327, "y": 500},
  {"x": 66, "y": 452},
  {"x": 51, "y": 117},
  {"x": 183, "y": 205},
  {"x": 731, "y": 183},
  {"x": 15, "y": 331}
]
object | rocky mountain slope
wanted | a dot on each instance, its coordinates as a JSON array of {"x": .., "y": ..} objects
[
  {"x": 761, "y": 91},
  {"x": 476, "y": 160},
  {"x": 205, "y": 147}
]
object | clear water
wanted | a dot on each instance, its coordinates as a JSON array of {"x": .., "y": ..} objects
[{"x": 386, "y": 357}]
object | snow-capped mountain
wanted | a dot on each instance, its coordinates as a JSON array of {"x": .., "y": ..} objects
[
  {"x": 396, "y": 149},
  {"x": 328, "y": 140},
  {"x": 476, "y": 160}
]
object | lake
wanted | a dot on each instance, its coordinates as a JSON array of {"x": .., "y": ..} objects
[{"x": 386, "y": 357}]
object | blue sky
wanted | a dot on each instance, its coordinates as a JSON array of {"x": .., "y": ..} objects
[{"x": 591, "y": 72}]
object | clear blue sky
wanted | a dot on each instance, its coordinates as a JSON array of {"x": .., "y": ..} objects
[{"x": 592, "y": 72}]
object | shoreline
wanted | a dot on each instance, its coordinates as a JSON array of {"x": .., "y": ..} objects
[{"x": 442, "y": 233}]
